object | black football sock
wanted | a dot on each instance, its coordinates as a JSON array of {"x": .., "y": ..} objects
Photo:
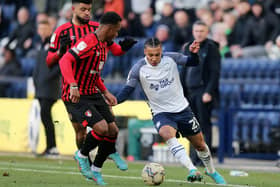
[
  {"x": 111, "y": 143},
  {"x": 92, "y": 140},
  {"x": 105, "y": 148}
]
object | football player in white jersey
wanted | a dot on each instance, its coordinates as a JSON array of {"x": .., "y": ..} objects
[{"x": 158, "y": 76}]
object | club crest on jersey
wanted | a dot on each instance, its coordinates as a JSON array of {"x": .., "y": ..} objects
[
  {"x": 73, "y": 37},
  {"x": 88, "y": 113}
]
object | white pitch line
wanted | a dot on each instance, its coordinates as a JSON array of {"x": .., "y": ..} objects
[{"x": 116, "y": 176}]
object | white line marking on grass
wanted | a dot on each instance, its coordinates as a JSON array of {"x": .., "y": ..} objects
[
  {"x": 115, "y": 176},
  {"x": 44, "y": 166}
]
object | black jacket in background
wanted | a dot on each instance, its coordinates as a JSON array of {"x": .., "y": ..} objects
[
  {"x": 46, "y": 80},
  {"x": 259, "y": 30},
  {"x": 22, "y": 33},
  {"x": 206, "y": 75}
]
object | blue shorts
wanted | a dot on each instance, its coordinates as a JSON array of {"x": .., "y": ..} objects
[{"x": 184, "y": 121}]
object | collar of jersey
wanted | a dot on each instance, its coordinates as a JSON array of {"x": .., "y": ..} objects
[
  {"x": 149, "y": 65},
  {"x": 80, "y": 26}
]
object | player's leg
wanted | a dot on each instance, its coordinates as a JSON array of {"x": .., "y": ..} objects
[
  {"x": 86, "y": 115},
  {"x": 111, "y": 137},
  {"x": 94, "y": 138},
  {"x": 190, "y": 128},
  {"x": 167, "y": 130},
  {"x": 80, "y": 132},
  {"x": 105, "y": 148},
  {"x": 46, "y": 117},
  {"x": 204, "y": 154},
  {"x": 114, "y": 155}
]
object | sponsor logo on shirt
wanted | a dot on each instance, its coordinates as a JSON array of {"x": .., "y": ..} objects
[
  {"x": 81, "y": 46},
  {"x": 162, "y": 84}
]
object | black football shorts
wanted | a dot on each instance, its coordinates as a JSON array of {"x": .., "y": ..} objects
[{"x": 90, "y": 110}]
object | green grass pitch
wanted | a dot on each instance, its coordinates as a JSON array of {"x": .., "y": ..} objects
[{"x": 31, "y": 172}]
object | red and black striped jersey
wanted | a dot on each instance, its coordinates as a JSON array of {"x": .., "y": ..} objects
[
  {"x": 89, "y": 57},
  {"x": 75, "y": 32}
]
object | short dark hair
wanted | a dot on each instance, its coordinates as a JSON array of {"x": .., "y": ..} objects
[
  {"x": 199, "y": 22},
  {"x": 110, "y": 18},
  {"x": 82, "y": 1},
  {"x": 152, "y": 42}
]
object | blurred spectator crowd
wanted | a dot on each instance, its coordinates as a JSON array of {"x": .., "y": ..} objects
[{"x": 243, "y": 29}]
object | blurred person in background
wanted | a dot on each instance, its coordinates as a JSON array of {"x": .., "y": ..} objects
[
  {"x": 65, "y": 14},
  {"x": 182, "y": 30},
  {"x": 219, "y": 35},
  {"x": 166, "y": 14},
  {"x": 243, "y": 13},
  {"x": 4, "y": 24},
  {"x": 52, "y": 19},
  {"x": 163, "y": 35},
  {"x": 47, "y": 87},
  {"x": 273, "y": 50},
  {"x": 115, "y": 6},
  {"x": 272, "y": 6},
  {"x": 11, "y": 67},
  {"x": 261, "y": 28},
  {"x": 208, "y": 18},
  {"x": 201, "y": 83},
  {"x": 148, "y": 24},
  {"x": 41, "y": 16},
  {"x": 22, "y": 35},
  {"x": 229, "y": 19}
]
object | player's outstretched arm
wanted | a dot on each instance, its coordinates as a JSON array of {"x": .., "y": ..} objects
[
  {"x": 190, "y": 60},
  {"x": 124, "y": 94},
  {"x": 124, "y": 45},
  {"x": 132, "y": 81}
]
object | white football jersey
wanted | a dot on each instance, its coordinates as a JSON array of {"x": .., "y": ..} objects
[{"x": 161, "y": 83}]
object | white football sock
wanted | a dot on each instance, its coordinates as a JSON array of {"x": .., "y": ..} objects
[
  {"x": 206, "y": 158},
  {"x": 81, "y": 155},
  {"x": 94, "y": 168},
  {"x": 180, "y": 153}
]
